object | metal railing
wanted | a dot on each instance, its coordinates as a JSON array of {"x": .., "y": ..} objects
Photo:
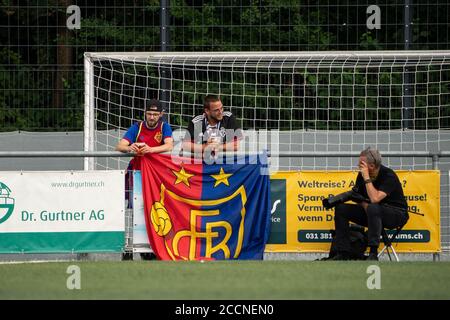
[{"x": 69, "y": 154}]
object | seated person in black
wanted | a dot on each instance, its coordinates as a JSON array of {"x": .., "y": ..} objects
[
  {"x": 387, "y": 207},
  {"x": 214, "y": 130}
]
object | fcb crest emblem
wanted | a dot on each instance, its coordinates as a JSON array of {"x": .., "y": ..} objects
[
  {"x": 216, "y": 234},
  {"x": 158, "y": 137}
]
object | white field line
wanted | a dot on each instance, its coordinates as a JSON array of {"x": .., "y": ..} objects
[{"x": 34, "y": 261}]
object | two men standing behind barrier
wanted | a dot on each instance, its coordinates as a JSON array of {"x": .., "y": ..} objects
[{"x": 214, "y": 131}]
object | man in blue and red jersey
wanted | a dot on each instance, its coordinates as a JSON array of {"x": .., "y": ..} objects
[{"x": 149, "y": 136}]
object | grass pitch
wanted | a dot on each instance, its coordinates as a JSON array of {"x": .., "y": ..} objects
[{"x": 231, "y": 280}]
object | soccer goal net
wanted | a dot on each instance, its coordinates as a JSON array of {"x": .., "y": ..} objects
[
  {"x": 314, "y": 101},
  {"x": 301, "y": 102}
]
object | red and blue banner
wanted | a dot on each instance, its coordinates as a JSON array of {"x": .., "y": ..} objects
[{"x": 197, "y": 211}]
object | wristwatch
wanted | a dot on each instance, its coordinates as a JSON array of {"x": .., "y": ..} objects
[{"x": 367, "y": 181}]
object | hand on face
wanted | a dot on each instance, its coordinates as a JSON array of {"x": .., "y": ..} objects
[{"x": 364, "y": 169}]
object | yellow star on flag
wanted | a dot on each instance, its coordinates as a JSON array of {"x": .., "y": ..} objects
[
  {"x": 182, "y": 176},
  {"x": 222, "y": 177}
]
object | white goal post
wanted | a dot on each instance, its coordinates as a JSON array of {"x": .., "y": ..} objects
[{"x": 316, "y": 101}]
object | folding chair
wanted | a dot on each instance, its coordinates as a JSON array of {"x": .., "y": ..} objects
[{"x": 388, "y": 243}]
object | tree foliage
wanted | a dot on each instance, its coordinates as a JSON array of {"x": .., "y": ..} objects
[{"x": 30, "y": 39}]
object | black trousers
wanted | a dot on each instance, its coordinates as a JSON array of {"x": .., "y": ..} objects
[{"x": 377, "y": 217}]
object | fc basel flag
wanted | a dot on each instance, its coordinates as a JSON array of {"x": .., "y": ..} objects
[{"x": 198, "y": 211}]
